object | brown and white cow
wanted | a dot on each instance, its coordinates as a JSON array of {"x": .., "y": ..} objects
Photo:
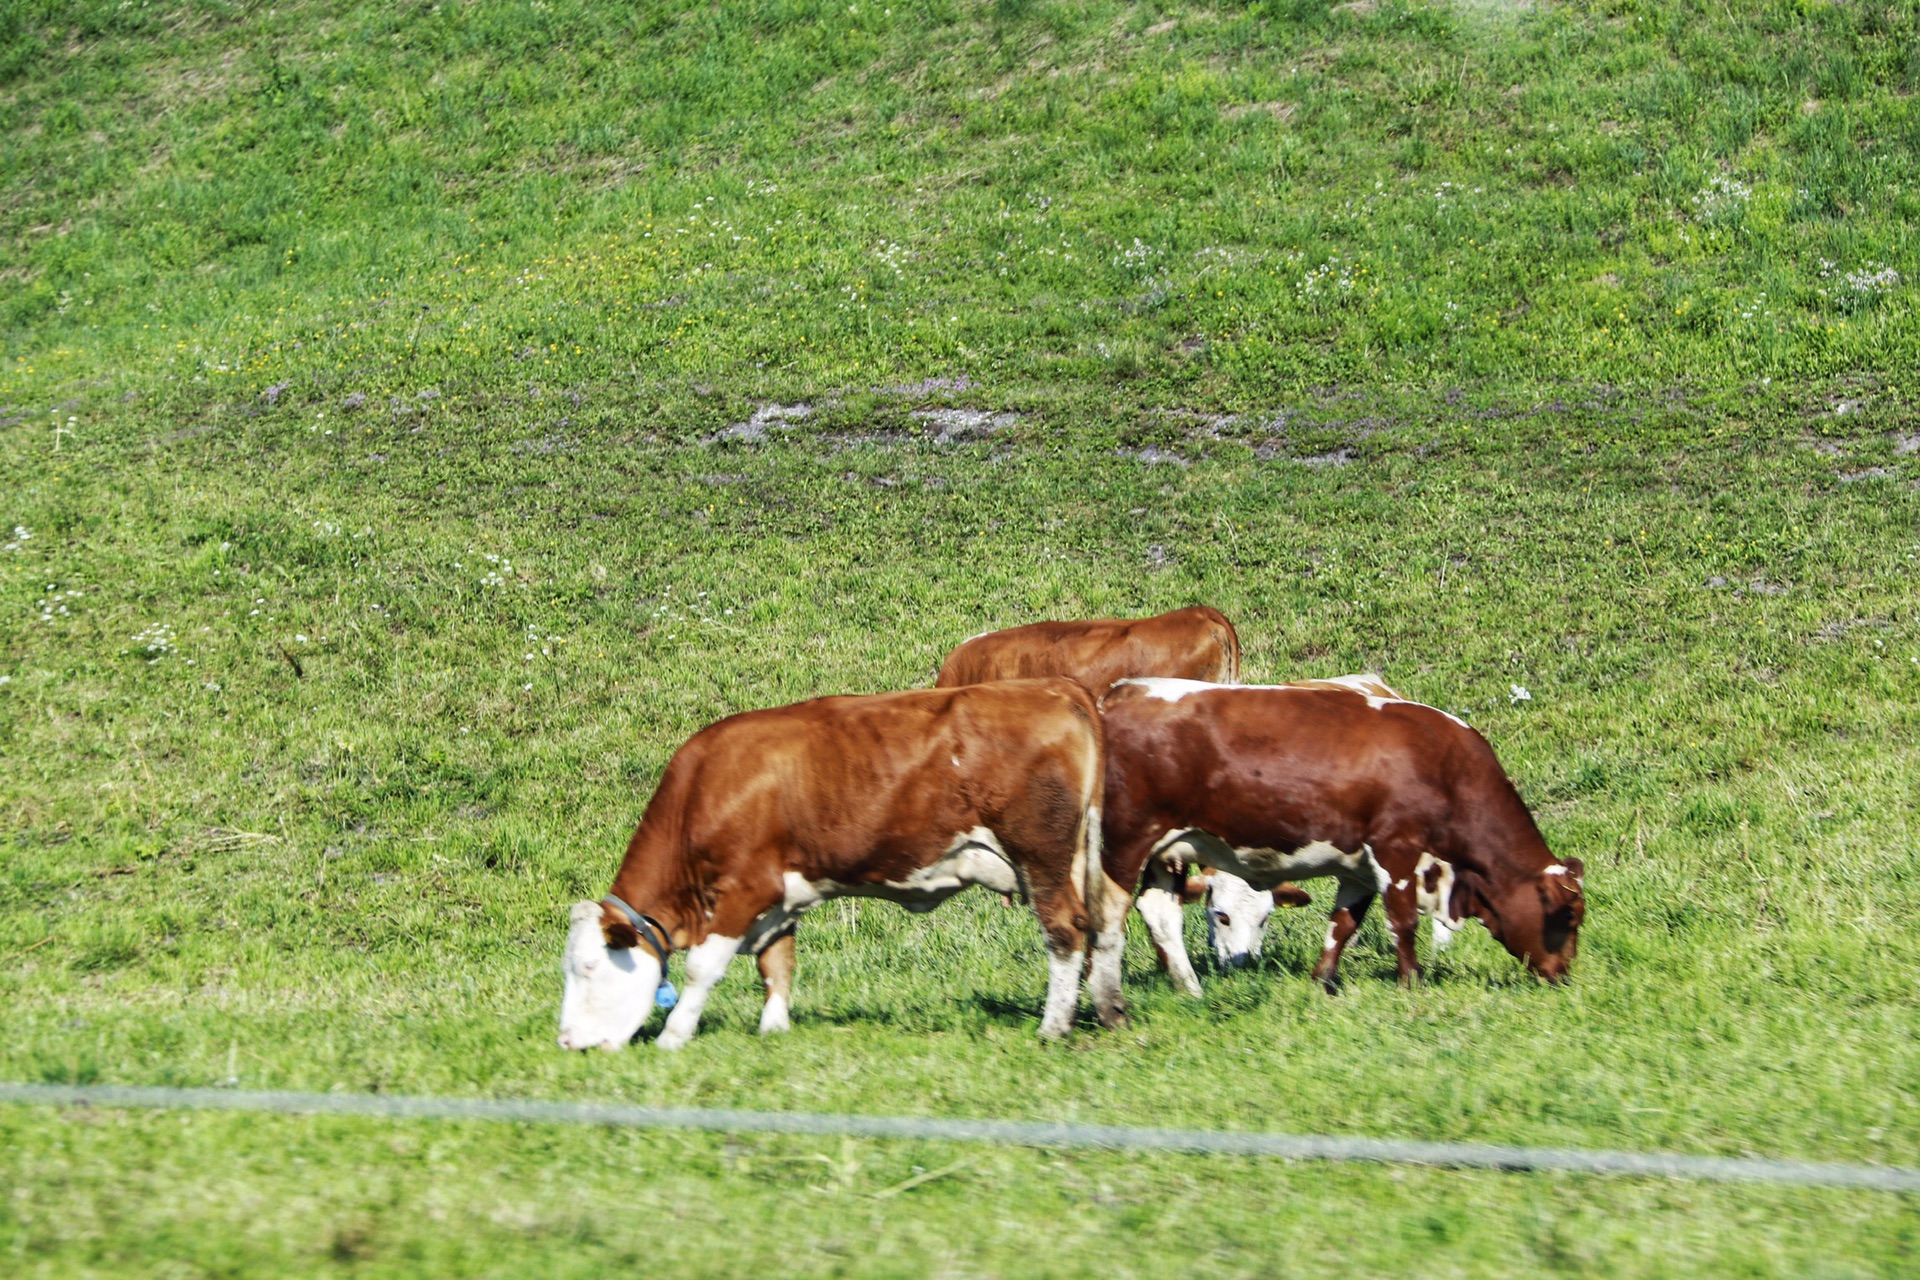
[
  {"x": 910, "y": 797},
  {"x": 1197, "y": 643},
  {"x": 1236, "y": 912},
  {"x": 1279, "y": 783}
]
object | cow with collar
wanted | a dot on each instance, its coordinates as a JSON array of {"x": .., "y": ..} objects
[
  {"x": 1283, "y": 783},
  {"x": 910, "y": 797}
]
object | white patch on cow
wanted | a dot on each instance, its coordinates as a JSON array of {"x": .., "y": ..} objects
[
  {"x": 1268, "y": 867},
  {"x": 974, "y": 857},
  {"x": 706, "y": 965},
  {"x": 773, "y": 1016},
  {"x": 1315, "y": 858},
  {"x": 607, "y": 993},
  {"x": 1438, "y": 903},
  {"x": 1167, "y": 841},
  {"x": 801, "y": 892},
  {"x": 1063, "y": 993},
  {"x": 1328, "y": 944},
  {"x": 1399, "y": 884},
  {"x": 1380, "y": 876},
  {"x": 956, "y": 762},
  {"x": 1168, "y": 689},
  {"x": 1371, "y": 686},
  {"x": 1237, "y": 915},
  {"x": 1555, "y": 870}
]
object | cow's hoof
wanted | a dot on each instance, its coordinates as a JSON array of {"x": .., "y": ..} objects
[
  {"x": 1115, "y": 1020},
  {"x": 670, "y": 1041},
  {"x": 775, "y": 1026}
]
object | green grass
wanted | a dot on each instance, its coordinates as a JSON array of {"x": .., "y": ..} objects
[
  {"x": 1224, "y": 204},
  {"x": 437, "y": 602}
]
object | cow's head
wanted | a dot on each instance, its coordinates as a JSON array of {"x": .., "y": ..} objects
[
  {"x": 1536, "y": 917},
  {"x": 610, "y": 981},
  {"x": 1236, "y": 919}
]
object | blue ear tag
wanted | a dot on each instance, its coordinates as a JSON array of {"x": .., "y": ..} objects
[{"x": 666, "y": 997}]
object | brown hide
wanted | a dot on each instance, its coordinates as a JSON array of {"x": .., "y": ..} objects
[
  {"x": 1194, "y": 644},
  {"x": 1281, "y": 768},
  {"x": 862, "y": 791}
]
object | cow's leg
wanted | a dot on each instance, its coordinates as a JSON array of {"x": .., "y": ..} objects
[
  {"x": 776, "y": 971},
  {"x": 1160, "y": 908},
  {"x": 1350, "y": 905},
  {"x": 1403, "y": 917},
  {"x": 1065, "y": 921},
  {"x": 1063, "y": 917},
  {"x": 1107, "y": 905},
  {"x": 706, "y": 965}
]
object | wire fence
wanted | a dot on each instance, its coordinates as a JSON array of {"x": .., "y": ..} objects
[{"x": 1457, "y": 1155}]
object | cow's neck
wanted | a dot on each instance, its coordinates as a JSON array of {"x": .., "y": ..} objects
[
  {"x": 1506, "y": 840},
  {"x": 640, "y": 884}
]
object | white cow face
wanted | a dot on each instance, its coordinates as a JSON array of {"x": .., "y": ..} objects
[
  {"x": 1236, "y": 919},
  {"x": 609, "y": 990}
]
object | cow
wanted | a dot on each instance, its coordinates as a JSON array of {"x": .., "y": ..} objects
[
  {"x": 1277, "y": 783},
  {"x": 1197, "y": 643},
  {"x": 909, "y": 797},
  {"x": 1236, "y": 912}
]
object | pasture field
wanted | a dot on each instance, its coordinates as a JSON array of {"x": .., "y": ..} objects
[{"x": 417, "y": 420}]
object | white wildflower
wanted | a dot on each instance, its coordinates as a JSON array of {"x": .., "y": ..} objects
[
  {"x": 1721, "y": 200},
  {"x": 1518, "y": 693},
  {"x": 156, "y": 640}
]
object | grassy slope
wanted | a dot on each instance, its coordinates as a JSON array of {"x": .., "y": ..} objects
[
  {"x": 214, "y": 869},
  {"x": 787, "y": 193}
]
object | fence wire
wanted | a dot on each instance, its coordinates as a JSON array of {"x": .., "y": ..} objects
[{"x": 1457, "y": 1155}]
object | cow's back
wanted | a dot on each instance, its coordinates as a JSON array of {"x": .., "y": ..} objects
[
  {"x": 1330, "y": 755},
  {"x": 847, "y": 780},
  {"x": 1196, "y": 643}
]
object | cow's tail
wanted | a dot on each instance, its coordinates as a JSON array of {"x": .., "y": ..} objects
[
  {"x": 1229, "y": 640},
  {"x": 1093, "y": 873}
]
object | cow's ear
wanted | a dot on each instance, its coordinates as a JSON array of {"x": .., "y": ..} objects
[
  {"x": 1560, "y": 884},
  {"x": 1195, "y": 888},
  {"x": 1291, "y": 895},
  {"x": 617, "y": 930}
]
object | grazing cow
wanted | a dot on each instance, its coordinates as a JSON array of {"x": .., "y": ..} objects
[
  {"x": 1236, "y": 912},
  {"x": 909, "y": 797},
  {"x": 1197, "y": 644},
  {"x": 1278, "y": 783}
]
